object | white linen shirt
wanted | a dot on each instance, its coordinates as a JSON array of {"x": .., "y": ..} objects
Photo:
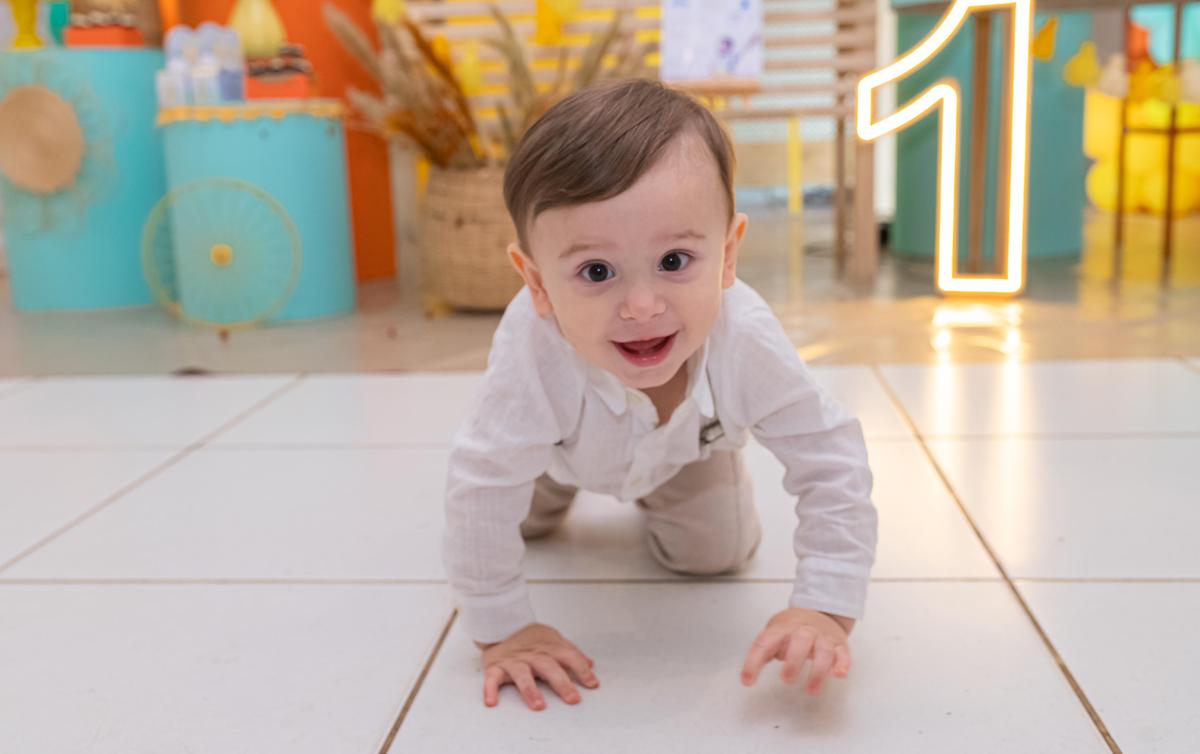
[{"x": 542, "y": 409}]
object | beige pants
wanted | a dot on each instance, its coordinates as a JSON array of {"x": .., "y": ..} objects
[{"x": 702, "y": 521}]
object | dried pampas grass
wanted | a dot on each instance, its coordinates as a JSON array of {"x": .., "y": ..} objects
[{"x": 424, "y": 104}]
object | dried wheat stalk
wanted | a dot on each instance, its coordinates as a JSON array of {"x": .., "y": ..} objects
[{"x": 423, "y": 101}]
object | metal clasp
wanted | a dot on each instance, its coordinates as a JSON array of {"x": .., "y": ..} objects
[{"x": 711, "y": 432}]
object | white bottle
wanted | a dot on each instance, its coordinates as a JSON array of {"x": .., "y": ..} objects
[
  {"x": 173, "y": 85},
  {"x": 228, "y": 50},
  {"x": 206, "y": 89}
]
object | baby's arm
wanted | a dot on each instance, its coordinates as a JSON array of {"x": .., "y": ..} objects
[
  {"x": 822, "y": 448},
  {"x": 503, "y": 446},
  {"x": 483, "y": 551}
]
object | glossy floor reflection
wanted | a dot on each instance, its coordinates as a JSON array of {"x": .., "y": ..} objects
[
  {"x": 1070, "y": 310},
  {"x": 252, "y": 564}
]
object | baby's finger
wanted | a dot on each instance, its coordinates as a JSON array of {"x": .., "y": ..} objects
[
  {"x": 493, "y": 679},
  {"x": 800, "y": 644},
  {"x": 552, "y": 673},
  {"x": 523, "y": 677},
  {"x": 761, "y": 652},
  {"x": 841, "y": 661},
  {"x": 822, "y": 661},
  {"x": 579, "y": 664}
]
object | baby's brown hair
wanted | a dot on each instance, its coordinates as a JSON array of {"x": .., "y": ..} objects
[{"x": 598, "y": 142}]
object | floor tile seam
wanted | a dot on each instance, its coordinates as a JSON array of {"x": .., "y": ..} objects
[
  {"x": 286, "y": 447},
  {"x": 206, "y": 440},
  {"x": 225, "y": 447},
  {"x": 651, "y": 581},
  {"x": 167, "y": 581},
  {"x": 249, "y": 446},
  {"x": 154, "y": 472},
  {"x": 1063, "y": 436},
  {"x": 1110, "y": 580},
  {"x": 913, "y": 434},
  {"x": 1058, "y": 659},
  {"x": 418, "y": 684},
  {"x": 87, "y": 448},
  {"x": 295, "y": 446},
  {"x": 20, "y": 385},
  {"x": 1000, "y": 361}
]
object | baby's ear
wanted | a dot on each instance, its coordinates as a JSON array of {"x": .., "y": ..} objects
[
  {"x": 527, "y": 269},
  {"x": 737, "y": 229}
]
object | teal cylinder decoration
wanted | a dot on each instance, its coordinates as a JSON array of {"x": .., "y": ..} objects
[
  {"x": 294, "y": 153},
  {"x": 78, "y": 247}
]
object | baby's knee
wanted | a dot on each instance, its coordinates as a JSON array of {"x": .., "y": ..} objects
[{"x": 706, "y": 558}]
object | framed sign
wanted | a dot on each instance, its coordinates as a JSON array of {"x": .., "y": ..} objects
[{"x": 706, "y": 40}]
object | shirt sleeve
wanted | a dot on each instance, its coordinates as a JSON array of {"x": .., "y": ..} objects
[
  {"x": 822, "y": 448},
  {"x": 502, "y": 447}
]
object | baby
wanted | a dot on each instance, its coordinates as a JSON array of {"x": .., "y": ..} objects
[{"x": 634, "y": 363}]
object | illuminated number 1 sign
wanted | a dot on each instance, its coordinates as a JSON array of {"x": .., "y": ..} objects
[{"x": 946, "y": 94}]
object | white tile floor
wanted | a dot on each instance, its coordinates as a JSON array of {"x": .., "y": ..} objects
[{"x": 253, "y": 564}]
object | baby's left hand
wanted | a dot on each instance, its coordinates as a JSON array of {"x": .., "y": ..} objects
[{"x": 793, "y": 636}]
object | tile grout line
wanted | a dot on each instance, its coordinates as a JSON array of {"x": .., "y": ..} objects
[
  {"x": 657, "y": 581},
  {"x": 224, "y": 447},
  {"x": 412, "y": 695},
  {"x": 155, "y": 471},
  {"x": 20, "y": 385},
  {"x": 298, "y": 447},
  {"x": 1058, "y": 659},
  {"x": 50, "y": 581},
  {"x": 1067, "y": 436}
]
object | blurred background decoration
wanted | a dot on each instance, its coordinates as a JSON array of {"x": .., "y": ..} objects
[
  {"x": 55, "y": 144},
  {"x": 452, "y": 146},
  {"x": 1142, "y": 130},
  {"x": 221, "y": 253},
  {"x": 380, "y": 129}
]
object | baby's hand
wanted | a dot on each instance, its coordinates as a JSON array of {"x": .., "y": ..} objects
[
  {"x": 536, "y": 649},
  {"x": 794, "y": 635}
]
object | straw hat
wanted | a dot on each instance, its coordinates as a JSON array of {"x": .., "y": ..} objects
[{"x": 41, "y": 141}]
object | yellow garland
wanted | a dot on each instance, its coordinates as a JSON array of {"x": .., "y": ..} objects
[{"x": 276, "y": 110}]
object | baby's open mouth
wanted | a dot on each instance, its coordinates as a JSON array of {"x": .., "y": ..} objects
[
  {"x": 646, "y": 352},
  {"x": 643, "y": 347}
]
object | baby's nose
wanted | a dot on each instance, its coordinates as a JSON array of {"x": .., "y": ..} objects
[{"x": 642, "y": 302}]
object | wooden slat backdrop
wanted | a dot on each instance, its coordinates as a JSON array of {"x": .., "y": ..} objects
[
  {"x": 462, "y": 20},
  {"x": 850, "y": 48},
  {"x": 793, "y": 85}
]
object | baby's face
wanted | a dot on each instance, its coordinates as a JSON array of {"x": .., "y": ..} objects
[{"x": 635, "y": 281}]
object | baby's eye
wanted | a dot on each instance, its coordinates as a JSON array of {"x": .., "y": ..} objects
[
  {"x": 675, "y": 261},
  {"x": 597, "y": 272}
]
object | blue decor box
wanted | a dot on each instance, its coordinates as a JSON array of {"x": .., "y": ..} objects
[
  {"x": 294, "y": 151},
  {"x": 78, "y": 247}
]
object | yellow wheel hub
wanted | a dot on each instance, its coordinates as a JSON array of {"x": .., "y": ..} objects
[{"x": 221, "y": 255}]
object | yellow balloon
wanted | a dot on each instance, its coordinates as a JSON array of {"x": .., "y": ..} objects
[
  {"x": 1043, "y": 42},
  {"x": 1187, "y": 155},
  {"x": 1102, "y": 187},
  {"x": 1149, "y": 114},
  {"x": 1083, "y": 69},
  {"x": 1101, "y": 125},
  {"x": 1187, "y": 193},
  {"x": 1145, "y": 153}
]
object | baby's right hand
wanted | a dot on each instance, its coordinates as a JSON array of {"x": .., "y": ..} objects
[{"x": 537, "y": 650}]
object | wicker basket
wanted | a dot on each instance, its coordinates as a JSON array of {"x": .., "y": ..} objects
[{"x": 465, "y": 230}]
